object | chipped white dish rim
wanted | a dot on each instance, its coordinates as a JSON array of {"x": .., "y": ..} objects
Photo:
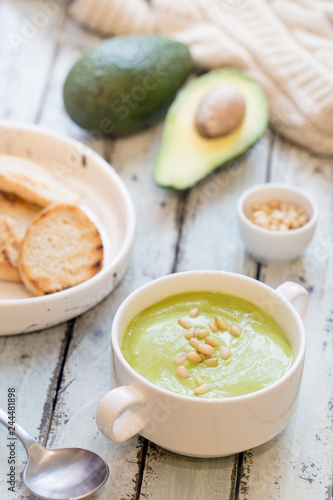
[{"x": 104, "y": 198}]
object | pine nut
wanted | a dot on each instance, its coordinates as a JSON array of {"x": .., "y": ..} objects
[
  {"x": 278, "y": 216},
  {"x": 180, "y": 358},
  {"x": 222, "y": 325},
  {"x": 235, "y": 330},
  {"x": 193, "y": 357},
  {"x": 193, "y": 313},
  {"x": 194, "y": 343},
  {"x": 197, "y": 330},
  {"x": 225, "y": 352},
  {"x": 212, "y": 326},
  {"x": 203, "y": 356},
  {"x": 199, "y": 380},
  {"x": 262, "y": 222},
  {"x": 294, "y": 224},
  {"x": 205, "y": 349},
  {"x": 202, "y": 333},
  {"x": 212, "y": 342},
  {"x": 266, "y": 209},
  {"x": 303, "y": 219},
  {"x": 258, "y": 213},
  {"x": 185, "y": 324},
  {"x": 202, "y": 389},
  {"x": 274, "y": 204},
  {"x": 211, "y": 362},
  {"x": 181, "y": 372},
  {"x": 189, "y": 334}
]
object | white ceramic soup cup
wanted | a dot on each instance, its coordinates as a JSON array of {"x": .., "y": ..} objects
[
  {"x": 191, "y": 425},
  {"x": 266, "y": 245}
]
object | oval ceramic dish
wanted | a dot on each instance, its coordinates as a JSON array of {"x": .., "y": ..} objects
[{"x": 105, "y": 200}]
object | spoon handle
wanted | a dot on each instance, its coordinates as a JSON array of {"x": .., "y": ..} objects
[{"x": 16, "y": 430}]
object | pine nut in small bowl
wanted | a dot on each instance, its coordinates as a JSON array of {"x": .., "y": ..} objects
[
  {"x": 276, "y": 221},
  {"x": 240, "y": 383}
]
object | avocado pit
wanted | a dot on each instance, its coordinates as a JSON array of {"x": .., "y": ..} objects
[{"x": 220, "y": 111}]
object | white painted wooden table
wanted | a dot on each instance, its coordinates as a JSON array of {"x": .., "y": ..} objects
[{"x": 60, "y": 374}]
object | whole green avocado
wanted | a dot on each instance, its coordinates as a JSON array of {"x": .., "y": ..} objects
[{"x": 125, "y": 83}]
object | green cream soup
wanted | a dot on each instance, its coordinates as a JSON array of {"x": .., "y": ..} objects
[{"x": 259, "y": 355}]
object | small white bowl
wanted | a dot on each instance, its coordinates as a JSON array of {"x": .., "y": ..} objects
[{"x": 268, "y": 246}]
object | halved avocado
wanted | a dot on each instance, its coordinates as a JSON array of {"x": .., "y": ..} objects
[{"x": 185, "y": 156}]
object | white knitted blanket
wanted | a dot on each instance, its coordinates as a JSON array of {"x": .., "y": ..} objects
[{"x": 286, "y": 45}]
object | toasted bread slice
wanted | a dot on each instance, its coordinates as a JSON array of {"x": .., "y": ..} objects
[
  {"x": 16, "y": 216},
  {"x": 61, "y": 249},
  {"x": 32, "y": 182}
]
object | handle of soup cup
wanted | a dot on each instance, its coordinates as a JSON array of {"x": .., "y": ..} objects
[
  {"x": 113, "y": 417},
  {"x": 292, "y": 291}
]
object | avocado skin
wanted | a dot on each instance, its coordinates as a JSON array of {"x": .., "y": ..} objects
[
  {"x": 125, "y": 83},
  {"x": 185, "y": 157}
]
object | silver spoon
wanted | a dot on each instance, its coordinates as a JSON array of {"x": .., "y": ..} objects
[{"x": 63, "y": 474}]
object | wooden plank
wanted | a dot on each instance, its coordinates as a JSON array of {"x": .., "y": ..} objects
[
  {"x": 170, "y": 476},
  {"x": 298, "y": 463},
  {"x": 29, "y": 34},
  {"x": 209, "y": 240},
  {"x": 156, "y": 209},
  {"x": 210, "y": 237},
  {"x": 86, "y": 378},
  {"x": 29, "y": 363},
  {"x": 83, "y": 388}
]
